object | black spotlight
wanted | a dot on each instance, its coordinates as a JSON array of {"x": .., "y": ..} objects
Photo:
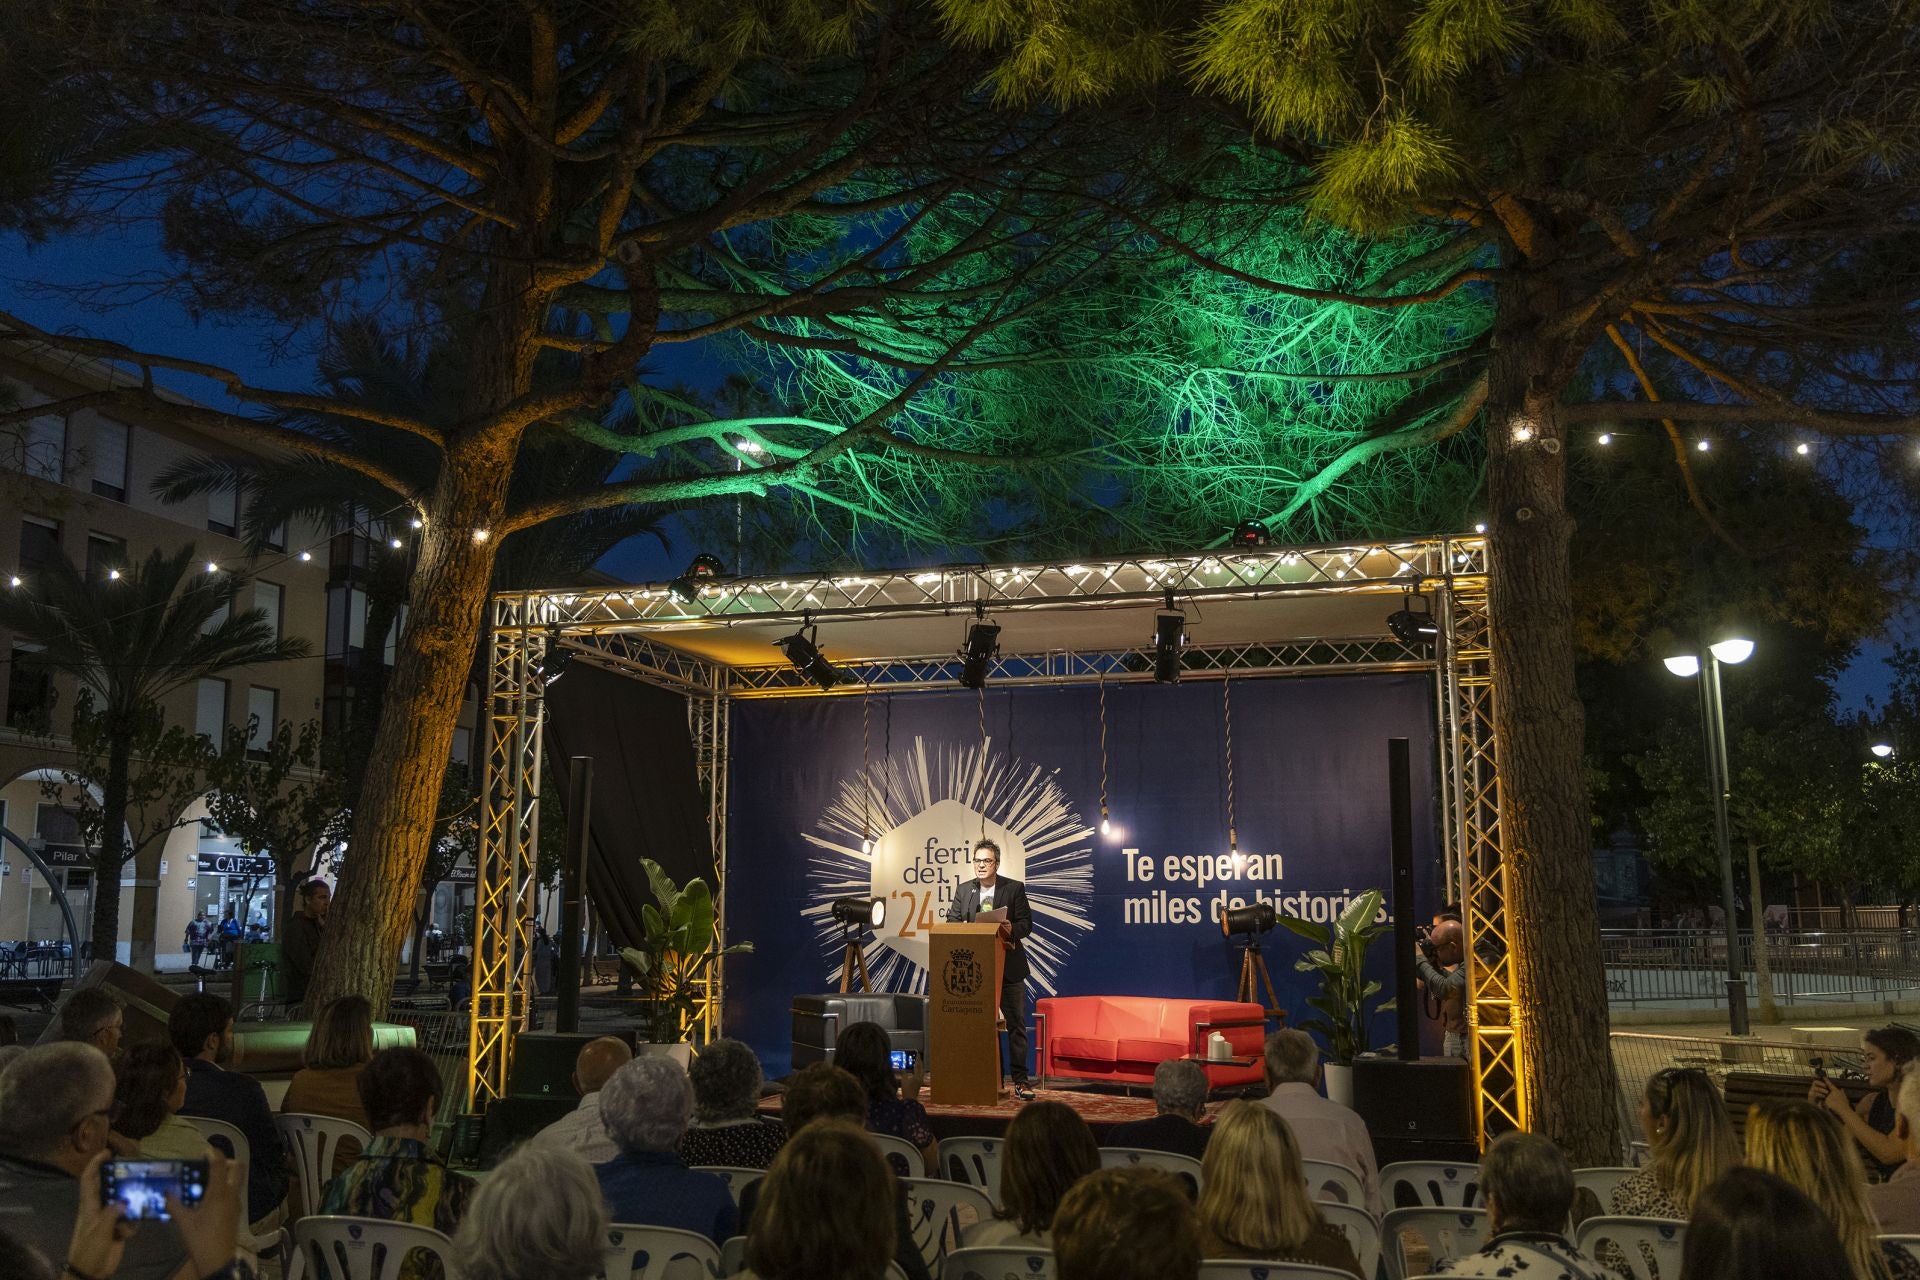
[
  {"x": 557, "y": 659},
  {"x": 1169, "y": 638},
  {"x": 1411, "y": 626},
  {"x": 860, "y": 913},
  {"x": 983, "y": 645},
  {"x": 1249, "y": 533},
  {"x": 1251, "y": 920},
  {"x": 805, "y": 655},
  {"x": 703, "y": 568}
]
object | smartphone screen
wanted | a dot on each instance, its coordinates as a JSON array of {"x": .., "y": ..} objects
[
  {"x": 903, "y": 1059},
  {"x": 144, "y": 1185}
]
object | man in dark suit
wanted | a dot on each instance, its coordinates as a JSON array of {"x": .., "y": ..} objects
[
  {"x": 201, "y": 1028},
  {"x": 991, "y": 891}
]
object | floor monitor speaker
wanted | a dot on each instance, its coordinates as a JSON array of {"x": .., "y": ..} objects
[
  {"x": 543, "y": 1063},
  {"x": 1425, "y": 1100}
]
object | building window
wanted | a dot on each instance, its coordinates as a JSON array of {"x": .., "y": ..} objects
[
  {"x": 223, "y": 512},
  {"x": 105, "y": 556},
  {"x": 262, "y": 711},
  {"x": 346, "y": 621},
  {"x": 393, "y": 633},
  {"x": 110, "y": 440},
  {"x": 210, "y": 711},
  {"x": 266, "y": 598},
  {"x": 39, "y": 542},
  {"x": 277, "y": 537},
  {"x": 46, "y": 448},
  {"x": 462, "y": 744},
  {"x": 29, "y": 691}
]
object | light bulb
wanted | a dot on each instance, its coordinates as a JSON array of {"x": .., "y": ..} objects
[
  {"x": 1106, "y": 827},
  {"x": 1684, "y": 665},
  {"x": 1480, "y": 528},
  {"x": 113, "y": 575},
  {"x": 394, "y": 543},
  {"x": 1522, "y": 434},
  {"x": 481, "y": 535},
  {"x": 306, "y": 555},
  {"x": 1880, "y": 749},
  {"x": 1803, "y": 448},
  {"x": 1606, "y": 437},
  {"x": 14, "y": 581},
  {"x": 1732, "y": 651},
  {"x": 418, "y": 522},
  {"x": 866, "y": 844},
  {"x": 212, "y": 567},
  {"x": 1703, "y": 445}
]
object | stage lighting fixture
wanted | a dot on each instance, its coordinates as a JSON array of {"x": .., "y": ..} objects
[
  {"x": 557, "y": 659},
  {"x": 805, "y": 655},
  {"x": 860, "y": 913},
  {"x": 1411, "y": 626},
  {"x": 1251, "y": 920},
  {"x": 702, "y": 568},
  {"x": 1249, "y": 533},
  {"x": 1169, "y": 638},
  {"x": 983, "y": 645}
]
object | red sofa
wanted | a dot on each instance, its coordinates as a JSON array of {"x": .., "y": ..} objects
[{"x": 1123, "y": 1038}]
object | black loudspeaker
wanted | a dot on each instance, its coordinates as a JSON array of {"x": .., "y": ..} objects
[
  {"x": 543, "y": 1063},
  {"x": 1418, "y": 1110},
  {"x": 512, "y": 1120}
]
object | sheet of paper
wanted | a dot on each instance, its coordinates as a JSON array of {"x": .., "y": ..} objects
[{"x": 996, "y": 916}]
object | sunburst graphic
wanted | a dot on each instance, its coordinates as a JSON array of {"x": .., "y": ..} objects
[{"x": 923, "y": 814}]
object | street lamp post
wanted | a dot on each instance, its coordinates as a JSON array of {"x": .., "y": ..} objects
[{"x": 1713, "y": 717}]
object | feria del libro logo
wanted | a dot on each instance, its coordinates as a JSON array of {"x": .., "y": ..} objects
[{"x": 924, "y": 810}]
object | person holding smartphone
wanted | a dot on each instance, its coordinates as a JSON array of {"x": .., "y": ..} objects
[{"x": 56, "y": 1104}]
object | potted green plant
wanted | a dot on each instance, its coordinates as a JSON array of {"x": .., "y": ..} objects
[
  {"x": 680, "y": 946},
  {"x": 1339, "y": 956}
]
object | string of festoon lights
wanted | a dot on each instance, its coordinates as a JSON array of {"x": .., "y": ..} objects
[{"x": 1526, "y": 434}]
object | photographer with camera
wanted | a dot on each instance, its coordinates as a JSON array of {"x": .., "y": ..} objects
[{"x": 1444, "y": 979}]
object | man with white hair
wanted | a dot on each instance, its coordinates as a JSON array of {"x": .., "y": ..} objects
[
  {"x": 1896, "y": 1202},
  {"x": 1527, "y": 1185},
  {"x": 55, "y": 1105},
  {"x": 646, "y": 1106},
  {"x": 1180, "y": 1099},
  {"x": 582, "y": 1129},
  {"x": 1324, "y": 1129}
]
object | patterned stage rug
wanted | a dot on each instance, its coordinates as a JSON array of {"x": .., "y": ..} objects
[{"x": 1099, "y": 1107}]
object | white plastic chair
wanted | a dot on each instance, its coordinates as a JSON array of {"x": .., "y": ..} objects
[
  {"x": 1248, "y": 1269},
  {"x": 998, "y": 1262},
  {"x": 974, "y": 1161},
  {"x": 1650, "y": 1247},
  {"x": 1325, "y": 1176},
  {"x": 1362, "y": 1232},
  {"x": 1446, "y": 1234},
  {"x": 733, "y": 1257},
  {"x": 313, "y": 1141},
  {"x": 1182, "y": 1166},
  {"x": 1433, "y": 1182},
  {"x": 293, "y": 1263},
  {"x": 1909, "y": 1244},
  {"x": 660, "y": 1253},
  {"x": 230, "y": 1142},
  {"x": 938, "y": 1211},
  {"x": 898, "y": 1150},
  {"x": 736, "y": 1178},
  {"x": 1601, "y": 1180},
  {"x": 336, "y": 1247}
]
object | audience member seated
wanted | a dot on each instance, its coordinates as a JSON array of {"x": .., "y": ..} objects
[
  {"x": 1180, "y": 1099},
  {"x": 1690, "y": 1141},
  {"x": 1322, "y": 1128},
  {"x": 825, "y": 1208},
  {"x": 822, "y": 1091},
  {"x": 537, "y": 1216},
  {"x": 55, "y": 1104},
  {"x": 1254, "y": 1201},
  {"x": 1049, "y": 1148},
  {"x": 1134, "y": 1223},
  {"x": 864, "y": 1050},
  {"x": 201, "y": 1028},
  {"x": 21, "y": 1261},
  {"x": 149, "y": 1087},
  {"x": 1896, "y": 1202},
  {"x": 1752, "y": 1224},
  {"x": 92, "y": 1015},
  {"x": 328, "y": 1081},
  {"x": 582, "y": 1130},
  {"x": 727, "y": 1129},
  {"x": 399, "y": 1178},
  {"x": 1804, "y": 1143},
  {"x": 1527, "y": 1186},
  {"x": 646, "y": 1106},
  {"x": 1884, "y": 1054}
]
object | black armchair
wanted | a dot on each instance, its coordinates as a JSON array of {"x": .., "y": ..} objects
[{"x": 819, "y": 1020}]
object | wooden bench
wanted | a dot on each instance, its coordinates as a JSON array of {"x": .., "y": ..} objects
[{"x": 1745, "y": 1088}]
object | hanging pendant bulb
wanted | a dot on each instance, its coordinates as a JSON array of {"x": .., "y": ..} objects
[
  {"x": 1106, "y": 827},
  {"x": 866, "y": 844}
]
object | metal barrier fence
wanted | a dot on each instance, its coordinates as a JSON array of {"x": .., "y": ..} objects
[
  {"x": 1675, "y": 967},
  {"x": 441, "y": 1033},
  {"x": 1638, "y": 1056}
]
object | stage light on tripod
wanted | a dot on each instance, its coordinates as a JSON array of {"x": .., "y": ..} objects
[
  {"x": 1169, "y": 638},
  {"x": 805, "y": 655},
  {"x": 1249, "y": 921},
  {"x": 976, "y": 658},
  {"x": 860, "y": 913}
]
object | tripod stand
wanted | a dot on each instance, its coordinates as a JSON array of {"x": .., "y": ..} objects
[
  {"x": 855, "y": 957},
  {"x": 1253, "y": 972}
]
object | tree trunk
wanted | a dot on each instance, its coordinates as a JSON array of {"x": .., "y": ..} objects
[
  {"x": 1762, "y": 966},
  {"x": 112, "y": 853},
  {"x": 146, "y": 904},
  {"x": 1551, "y": 911}
]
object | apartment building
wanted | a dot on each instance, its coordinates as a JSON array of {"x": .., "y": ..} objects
[{"x": 81, "y": 482}]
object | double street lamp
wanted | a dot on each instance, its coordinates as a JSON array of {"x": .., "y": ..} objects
[{"x": 1730, "y": 652}]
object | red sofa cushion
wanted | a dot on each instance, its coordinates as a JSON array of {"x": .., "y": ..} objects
[
  {"x": 1090, "y": 1047},
  {"x": 1123, "y": 1038},
  {"x": 1149, "y": 1051}
]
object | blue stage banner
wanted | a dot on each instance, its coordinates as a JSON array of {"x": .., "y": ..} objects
[{"x": 1136, "y": 911}]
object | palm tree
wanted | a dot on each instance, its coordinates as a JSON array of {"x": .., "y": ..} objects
[{"x": 130, "y": 642}]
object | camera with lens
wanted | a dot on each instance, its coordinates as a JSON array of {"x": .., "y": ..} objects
[{"x": 1423, "y": 939}]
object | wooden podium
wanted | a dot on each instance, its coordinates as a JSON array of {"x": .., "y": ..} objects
[{"x": 965, "y": 962}]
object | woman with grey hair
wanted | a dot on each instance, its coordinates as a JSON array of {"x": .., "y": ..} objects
[
  {"x": 727, "y": 1127},
  {"x": 1527, "y": 1185},
  {"x": 645, "y": 1106},
  {"x": 537, "y": 1216}
]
